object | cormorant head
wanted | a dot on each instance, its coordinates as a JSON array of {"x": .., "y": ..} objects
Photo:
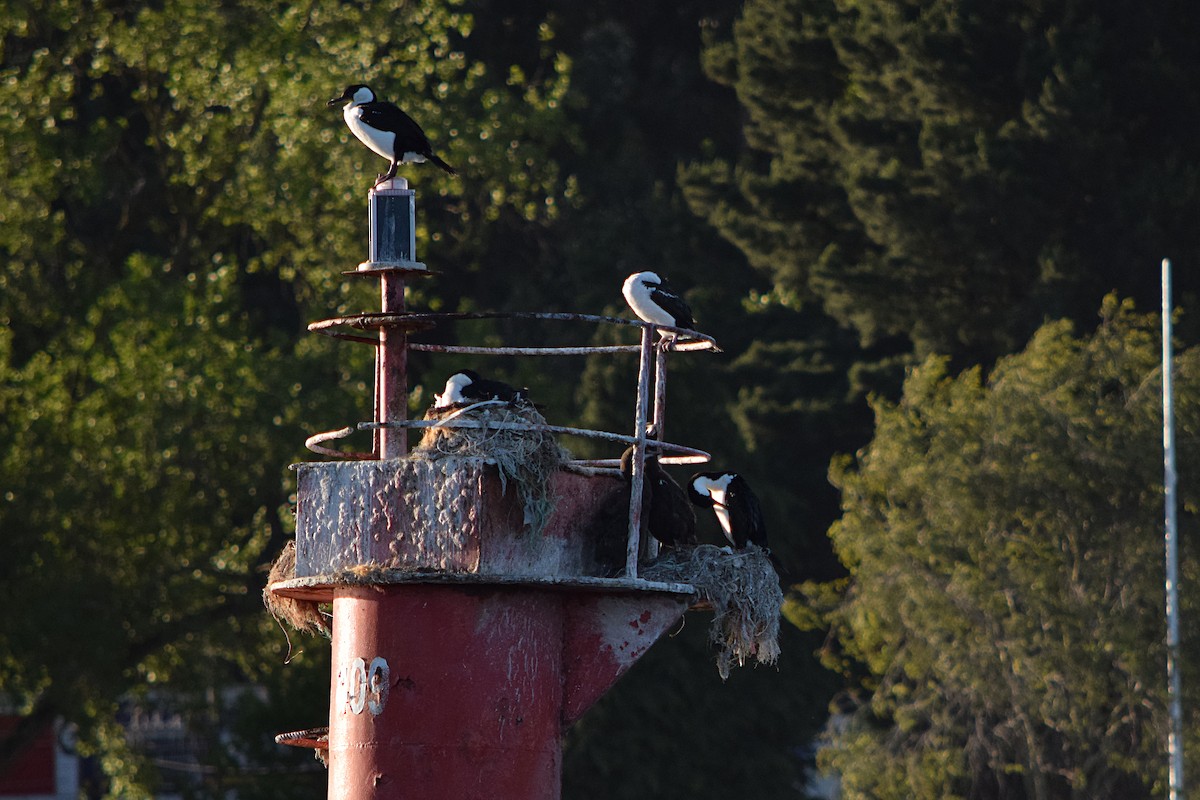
[
  {"x": 704, "y": 485},
  {"x": 356, "y": 93}
]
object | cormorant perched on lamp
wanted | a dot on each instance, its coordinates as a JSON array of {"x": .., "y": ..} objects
[
  {"x": 387, "y": 130},
  {"x": 735, "y": 505}
]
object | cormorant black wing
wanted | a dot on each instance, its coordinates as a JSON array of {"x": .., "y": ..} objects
[
  {"x": 672, "y": 520},
  {"x": 485, "y": 389},
  {"x": 386, "y": 116},
  {"x": 670, "y": 302},
  {"x": 745, "y": 513}
]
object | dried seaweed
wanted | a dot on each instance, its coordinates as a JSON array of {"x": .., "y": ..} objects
[
  {"x": 744, "y": 591},
  {"x": 303, "y": 615},
  {"x": 528, "y": 458}
]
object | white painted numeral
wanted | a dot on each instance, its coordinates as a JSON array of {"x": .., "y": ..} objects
[
  {"x": 378, "y": 676},
  {"x": 367, "y": 686}
]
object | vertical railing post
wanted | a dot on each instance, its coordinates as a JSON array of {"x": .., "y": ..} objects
[
  {"x": 660, "y": 418},
  {"x": 637, "y": 483},
  {"x": 660, "y": 394}
]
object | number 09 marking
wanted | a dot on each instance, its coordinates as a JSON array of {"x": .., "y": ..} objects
[{"x": 367, "y": 685}]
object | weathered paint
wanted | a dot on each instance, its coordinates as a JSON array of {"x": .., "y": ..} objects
[
  {"x": 393, "y": 395},
  {"x": 391, "y": 380},
  {"x": 452, "y": 515},
  {"x": 481, "y": 684},
  {"x": 392, "y": 242},
  {"x": 637, "y": 478},
  {"x": 386, "y": 513},
  {"x": 604, "y": 636},
  {"x": 473, "y": 710},
  {"x": 463, "y": 644}
]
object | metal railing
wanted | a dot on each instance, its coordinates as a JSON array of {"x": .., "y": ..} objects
[{"x": 649, "y": 415}]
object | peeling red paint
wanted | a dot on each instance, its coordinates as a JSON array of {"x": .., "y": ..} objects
[{"x": 489, "y": 680}]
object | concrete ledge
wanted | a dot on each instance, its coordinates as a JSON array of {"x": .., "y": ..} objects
[{"x": 320, "y": 588}]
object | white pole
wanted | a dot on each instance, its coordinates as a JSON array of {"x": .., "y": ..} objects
[{"x": 1175, "y": 737}]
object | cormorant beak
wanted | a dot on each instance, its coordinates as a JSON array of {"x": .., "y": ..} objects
[{"x": 336, "y": 100}]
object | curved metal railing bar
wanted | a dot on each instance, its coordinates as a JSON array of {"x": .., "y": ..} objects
[
  {"x": 314, "y": 443},
  {"x": 520, "y": 426},
  {"x": 417, "y": 322},
  {"x": 685, "y": 454}
]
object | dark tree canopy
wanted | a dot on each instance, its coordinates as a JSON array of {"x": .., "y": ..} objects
[
  {"x": 1005, "y": 550},
  {"x": 942, "y": 179},
  {"x": 958, "y": 172}
]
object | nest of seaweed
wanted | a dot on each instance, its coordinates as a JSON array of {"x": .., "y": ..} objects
[
  {"x": 303, "y": 615},
  {"x": 744, "y": 591},
  {"x": 528, "y": 458}
]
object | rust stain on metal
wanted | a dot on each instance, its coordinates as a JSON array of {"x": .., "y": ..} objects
[
  {"x": 390, "y": 426},
  {"x": 485, "y": 721},
  {"x": 633, "y": 548},
  {"x": 391, "y": 380},
  {"x": 313, "y": 738}
]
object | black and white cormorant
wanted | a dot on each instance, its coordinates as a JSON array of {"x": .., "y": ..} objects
[
  {"x": 668, "y": 514},
  {"x": 387, "y": 130},
  {"x": 466, "y": 387},
  {"x": 735, "y": 505},
  {"x": 653, "y": 301}
]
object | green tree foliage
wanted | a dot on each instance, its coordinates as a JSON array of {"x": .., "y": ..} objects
[
  {"x": 178, "y": 202},
  {"x": 142, "y": 495},
  {"x": 1004, "y": 542},
  {"x": 940, "y": 179},
  {"x": 955, "y": 173}
]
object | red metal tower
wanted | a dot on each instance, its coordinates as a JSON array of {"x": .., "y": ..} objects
[{"x": 462, "y": 644}]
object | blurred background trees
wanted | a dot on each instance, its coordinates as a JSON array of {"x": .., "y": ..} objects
[
  {"x": 1004, "y": 541},
  {"x": 846, "y": 191}
]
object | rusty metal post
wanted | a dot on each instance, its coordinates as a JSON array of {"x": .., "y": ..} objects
[
  {"x": 446, "y": 692},
  {"x": 462, "y": 647},
  {"x": 660, "y": 419},
  {"x": 392, "y": 363},
  {"x": 465, "y": 691}
]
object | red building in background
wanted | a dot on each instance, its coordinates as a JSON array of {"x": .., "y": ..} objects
[{"x": 46, "y": 770}]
